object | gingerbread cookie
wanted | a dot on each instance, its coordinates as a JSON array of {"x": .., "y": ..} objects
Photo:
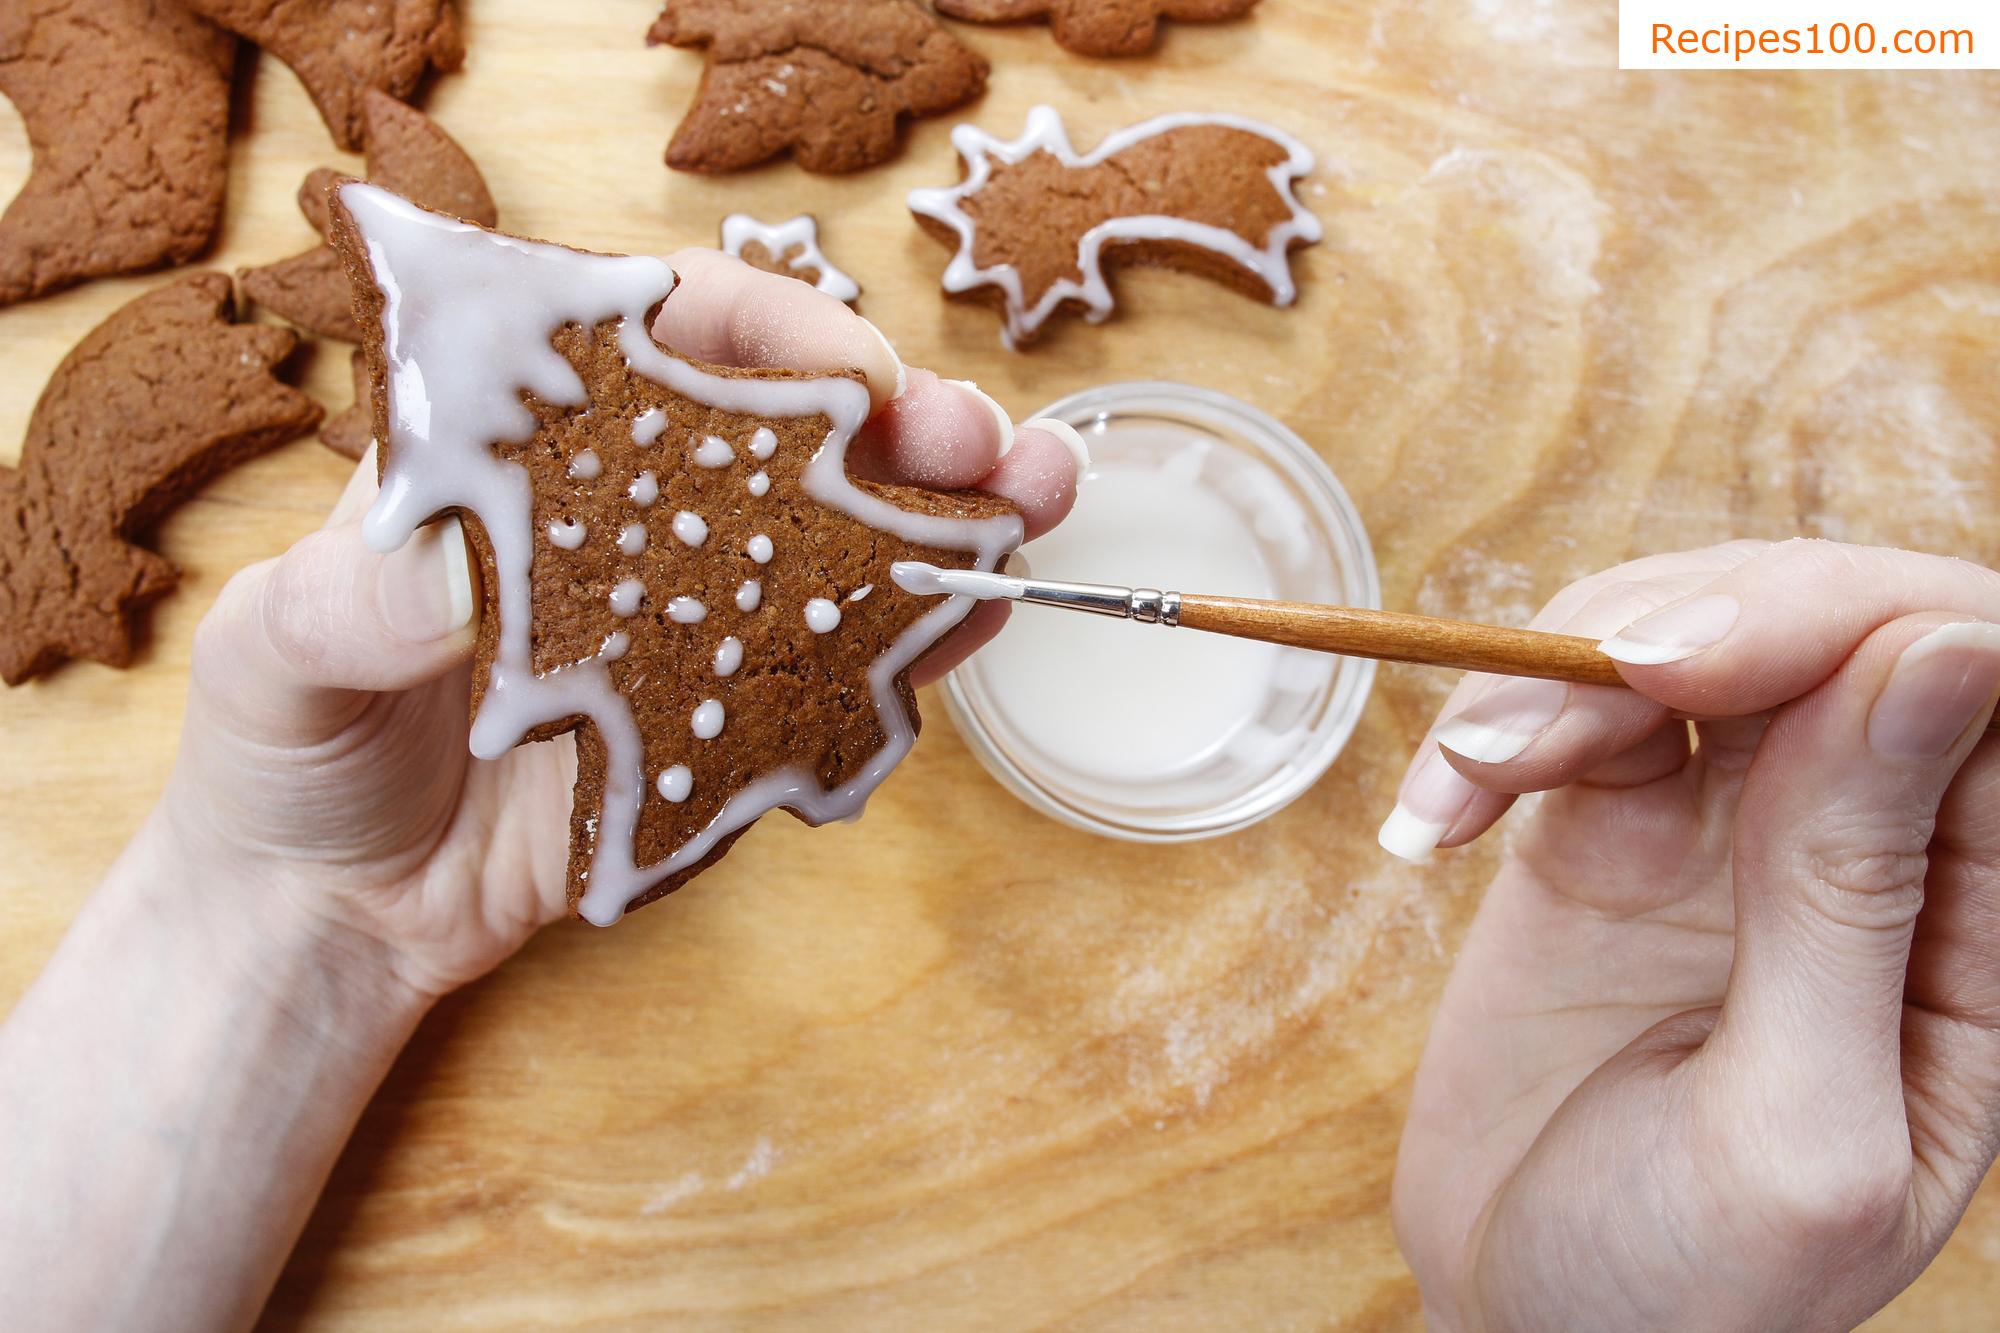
[
  {"x": 789, "y": 248},
  {"x": 1035, "y": 224},
  {"x": 409, "y": 153},
  {"x": 351, "y": 431},
  {"x": 676, "y": 563},
  {"x": 1098, "y": 27},
  {"x": 154, "y": 402},
  {"x": 341, "y": 48},
  {"x": 126, "y": 104},
  {"x": 827, "y": 80}
]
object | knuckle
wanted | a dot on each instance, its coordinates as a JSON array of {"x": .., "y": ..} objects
[
  {"x": 1824, "y": 1202},
  {"x": 1868, "y": 885}
]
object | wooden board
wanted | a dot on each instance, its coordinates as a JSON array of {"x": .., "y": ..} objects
[{"x": 959, "y": 1066}]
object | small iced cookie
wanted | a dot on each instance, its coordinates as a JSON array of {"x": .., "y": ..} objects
[
  {"x": 789, "y": 248},
  {"x": 126, "y": 104},
  {"x": 342, "y": 48},
  {"x": 641, "y": 592},
  {"x": 1036, "y": 224},
  {"x": 1098, "y": 27},
  {"x": 826, "y": 82},
  {"x": 152, "y": 403}
]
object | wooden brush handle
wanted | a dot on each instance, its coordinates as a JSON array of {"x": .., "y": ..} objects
[{"x": 1391, "y": 636}]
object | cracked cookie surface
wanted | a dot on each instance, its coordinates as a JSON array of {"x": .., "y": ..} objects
[{"x": 1098, "y": 27}]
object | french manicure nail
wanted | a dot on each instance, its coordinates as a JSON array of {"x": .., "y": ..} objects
[
  {"x": 1000, "y": 416},
  {"x": 1433, "y": 799},
  {"x": 1067, "y": 433},
  {"x": 902, "y": 374},
  {"x": 1938, "y": 686},
  {"x": 426, "y": 586},
  {"x": 1504, "y": 721},
  {"x": 1677, "y": 632}
]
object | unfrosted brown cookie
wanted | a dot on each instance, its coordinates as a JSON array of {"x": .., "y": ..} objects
[
  {"x": 789, "y": 249},
  {"x": 409, "y": 153},
  {"x": 827, "y": 80},
  {"x": 1037, "y": 225},
  {"x": 341, "y": 48},
  {"x": 350, "y": 431},
  {"x": 1097, "y": 27},
  {"x": 126, "y": 104},
  {"x": 154, "y": 402},
  {"x": 677, "y": 565}
]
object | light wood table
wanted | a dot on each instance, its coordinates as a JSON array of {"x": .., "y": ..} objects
[{"x": 959, "y": 1066}]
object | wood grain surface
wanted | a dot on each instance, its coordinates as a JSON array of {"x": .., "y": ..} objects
[{"x": 959, "y": 1066}]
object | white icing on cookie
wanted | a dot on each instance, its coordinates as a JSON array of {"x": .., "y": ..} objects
[
  {"x": 1270, "y": 263},
  {"x": 759, "y": 548},
  {"x": 625, "y": 598},
  {"x": 750, "y": 595},
  {"x": 690, "y": 528},
  {"x": 728, "y": 656},
  {"x": 585, "y": 467},
  {"x": 861, "y": 592},
  {"x": 759, "y": 483},
  {"x": 714, "y": 452},
  {"x": 616, "y": 645},
  {"x": 822, "y": 616},
  {"x": 763, "y": 443},
  {"x": 707, "y": 719},
  {"x": 467, "y": 320},
  {"x": 686, "y": 611},
  {"x": 568, "y": 534},
  {"x": 676, "y": 783},
  {"x": 650, "y": 425},
  {"x": 632, "y": 540},
  {"x": 644, "y": 490},
  {"x": 801, "y": 233}
]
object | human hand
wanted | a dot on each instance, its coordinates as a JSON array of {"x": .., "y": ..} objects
[
  {"x": 1722, "y": 1047},
  {"x": 324, "y": 755}
]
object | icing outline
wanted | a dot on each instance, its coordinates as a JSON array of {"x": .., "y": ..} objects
[
  {"x": 779, "y": 239},
  {"x": 454, "y": 389},
  {"x": 1044, "y": 131}
]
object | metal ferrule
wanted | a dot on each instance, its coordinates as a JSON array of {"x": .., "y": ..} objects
[{"x": 1148, "y": 605}]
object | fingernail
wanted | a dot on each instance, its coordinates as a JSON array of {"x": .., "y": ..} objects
[
  {"x": 426, "y": 587},
  {"x": 1434, "y": 797},
  {"x": 1678, "y": 632},
  {"x": 999, "y": 414},
  {"x": 1940, "y": 684},
  {"x": 902, "y": 375},
  {"x": 1067, "y": 433},
  {"x": 1504, "y": 721}
]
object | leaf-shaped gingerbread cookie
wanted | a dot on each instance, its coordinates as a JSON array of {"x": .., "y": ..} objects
[
  {"x": 126, "y": 103},
  {"x": 1036, "y": 224},
  {"x": 341, "y": 48},
  {"x": 154, "y": 402},
  {"x": 676, "y": 564},
  {"x": 827, "y": 81},
  {"x": 1098, "y": 27}
]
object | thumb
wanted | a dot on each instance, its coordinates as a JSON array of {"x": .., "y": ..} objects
[
  {"x": 1831, "y": 860},
  {"x": 291, "y": 642}
]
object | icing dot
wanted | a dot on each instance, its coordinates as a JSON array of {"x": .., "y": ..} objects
[
  {"x": 633, "y": 539},
  {"x": 651, "y": 423},
  {"x": 861, "y": 592},
  {"x": 585, "y": 467},
  {"x": 728, "y": 656},
  {"x": 690, "y": 528},
  {"x": 708, "y": 719},
  {"x": 567, "y": 534},
  {"x": 822, "y": 616},
  {"x": 759, "y": 549},
  {"x": 714, "y": 452},
  {"x": 675, "y": 783},
  {"x": 686, "y": 611},
  {"x": 763, "y": 444},
  {"x": 626, "y": 596},
  {"x": 616, "y": 645},
  {"x": 759, "y": 483},
  {"x": 645, "y": 489},
  {"x": 747, "y": 596}
]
